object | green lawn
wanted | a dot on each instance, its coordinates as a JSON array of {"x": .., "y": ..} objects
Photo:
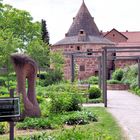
[
  {"x": 105, "y": 129},
  {"x": 106, "y": 123}
]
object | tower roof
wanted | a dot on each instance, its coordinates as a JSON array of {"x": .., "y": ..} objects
[
  {"x": 83, "y": 21},
  {"x": 83, "y": 30}
]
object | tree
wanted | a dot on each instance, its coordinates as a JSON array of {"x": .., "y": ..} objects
[
  {"x": 8, "y": 45},
  {"x": 57, "y": 60},
  {"x": 17, "y": 30},
  {"x": 39, "y": 51},
  {"x": 44, "y": 32},
  {"x": 20, "y": 23}
]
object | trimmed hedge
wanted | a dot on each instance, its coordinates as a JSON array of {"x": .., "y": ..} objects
[
  {"x": 118, "y": 74},
  {"x": 112, "y": 81},
  {"x": 94, "y": 92}
]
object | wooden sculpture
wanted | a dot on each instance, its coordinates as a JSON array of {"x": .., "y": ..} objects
[{"x": 26, "y": 68}]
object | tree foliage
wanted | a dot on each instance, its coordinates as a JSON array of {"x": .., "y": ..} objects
[
  {"x": 57, "y": 60},
  {"x": 19, "y": 22},
  {"x": 39, "y": 51},
  {"x": 19, "y": 32},
  {"x": 45, "y": 33}
]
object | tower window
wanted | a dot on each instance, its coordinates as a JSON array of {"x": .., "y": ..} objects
[
  {"x": 89, "y": 51},
  {"x": 81, "y": 32},
  {"x": 82, "y": 67},
  {"x": 78, "y": 48}
]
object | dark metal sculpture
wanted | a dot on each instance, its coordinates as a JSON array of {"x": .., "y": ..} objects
[{"x": 26, "y": 68}]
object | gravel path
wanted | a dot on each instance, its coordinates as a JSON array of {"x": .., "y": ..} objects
[{"x": 125, "y": 107}]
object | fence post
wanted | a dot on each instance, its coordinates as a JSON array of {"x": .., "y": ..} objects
[
  {"x": 100, "y": 71},
  {"x": 11, "y": 135},
  {"x": 72, "y": 68},
  {"x": 139, "y": 72},
  {"x": 104, "y": 72}
]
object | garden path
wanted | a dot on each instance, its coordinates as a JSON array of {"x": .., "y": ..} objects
[{"x": 125, "y": 107}]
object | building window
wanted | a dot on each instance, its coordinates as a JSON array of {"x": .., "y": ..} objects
[
  {"x": 82, "y": 67},
  {"x": 89, "y": 51},
  {"x": 114, "y": 54},
  {"x": 71, "y": 46},
  {"x": 78, "y": 48},
  {"x": 81, "y": 32},
  {"x": 113, "y": 35},
  {"x": 96, "y": 73}
]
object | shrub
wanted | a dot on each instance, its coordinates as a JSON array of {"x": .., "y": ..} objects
[
  {"x": 42, "y": 91},
  {"x": 138, "y": 92},
  {"x": 130, "y": 75},
  {"x": 42, "y": 136},
  {"x": 117, "y": 74},
  {"x": 66, "y": 134},
  {"x": 61, "y": 87},
  {"x": 80, "y": 118},
  {"x": 40, "y": 99},
  {"x": 75, "y": 134},
  {"x": 34, "y": 123},
  {"x": 136, "y": 89},
  {"x": 45, "y": 108},
  {"x": 50, "y": 77},
  {"x": 98, "y": 100},
  {"x": 112, "y": 81},
  {"x": 134, "y": 84},
  {"x": 93, "y": 80},
  {"x": 12, "y": 76},
  {"x": 42, "y": 75},
  {"x": 76, "y": 100},
  {"x": 90, "y": 80},
  {"x": 59, "y": 102},
  {"x": 2, "y": 81},
  {"x": 64, "y": 101},
  {"x": 4, "y": 90},
  {"x": 71, "y": 134},
  {"x": 11, "y": 84},
  {"x": 57, "y": 120},
  {"x": 3, "y": 127},
  {"x": 94, "y": 92}
]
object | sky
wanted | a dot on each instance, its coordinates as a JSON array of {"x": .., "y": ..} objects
[{"x": 108, "y": 14}]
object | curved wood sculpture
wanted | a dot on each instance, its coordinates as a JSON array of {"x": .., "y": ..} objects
[{"x": 26, "y": 68}]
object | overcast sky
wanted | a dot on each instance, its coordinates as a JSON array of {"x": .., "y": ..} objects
[{"x": 120, "y": 14}]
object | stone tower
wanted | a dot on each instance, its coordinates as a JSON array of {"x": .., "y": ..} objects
[{"x": 82, "y": 36}]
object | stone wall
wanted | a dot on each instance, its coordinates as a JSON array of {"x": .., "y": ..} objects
[
  {"x": 124, "y": 63},
  {"x": 86, "y": 66},
  {"x": 117, "y": 86}
]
